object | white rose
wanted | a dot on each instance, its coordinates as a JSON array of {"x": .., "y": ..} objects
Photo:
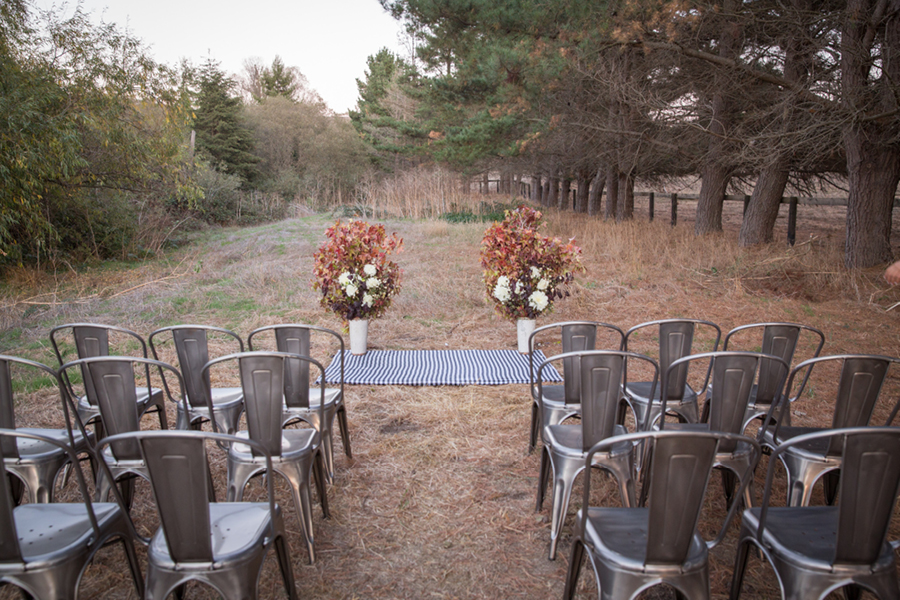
[
  {"x": 519, "y": 287},
  {"x": 351, "y": 290},
  {"x": 538, "y": 301},
  {"x": 368, "y": 300},
  {"x": 370, "y": 270},
  {"x": 372, "y": 282},
  {"x": 501, "y": 292},
  {"x": 543, "y": 284},
  {"x": 535, "y": 272},
  {"x": 344, "y": 279}
]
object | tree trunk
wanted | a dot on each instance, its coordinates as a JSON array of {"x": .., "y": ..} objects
[
  {"x": 553, "y": 195},
  {"x": 612, "y": 191},
  {"x": 581, "y": 197},
  {"x": 873, "y": 161},
  {"x": 762, "y": 211},
  {"x": 873, "y": 172},
  {"x": 565, "y": 188},
  {"x": 595, "y": 193},
  {"x": 537, "y": 189},
  {"x": 716, "y": 172},
  {"x": 545, "y": 195},
  {"x": 625, "y": 207}
]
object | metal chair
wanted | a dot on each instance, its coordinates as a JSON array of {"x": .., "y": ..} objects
[
  {"x": 816, "y": 550},
  {"x": 45, "y": 548},
  {"x": 676, "y": 339},
  {"x": 93, "y": 339},
  {"x": 292, "y": 453},
  {"x": 222, "y": 544},
  {"x": 859, "y": 386},
  {"x": 778, "y": 339},
  {"x": 733, "y": 377},
  {"x": 192, "y": 349},
  {"x": 565, "y": 445},
  {"x": 632, "y": 549},
  {"x": 110, "y": 383},
  {"x": 560, "y": 402},
  {"x": 37, "y": 465},
  {"x": 299, "y": 405}
]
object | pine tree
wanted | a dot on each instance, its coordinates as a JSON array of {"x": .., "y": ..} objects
[{"x": 221, "y": 134}]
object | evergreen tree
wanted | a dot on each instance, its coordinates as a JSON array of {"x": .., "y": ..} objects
[{"x": 222, "y": 136}]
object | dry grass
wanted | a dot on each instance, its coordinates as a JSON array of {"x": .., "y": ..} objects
[{"x": 438, "y": 500}]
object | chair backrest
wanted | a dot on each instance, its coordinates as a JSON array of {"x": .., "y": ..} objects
[
  {"x": 859, "y": 386},
  {"x": 601, "y": 374},
  {"x": 676, "y": 340},
  {"x": 9, "y": 545},
  {"x": 262, "y": 381},
  {"x": 778, "y": 339},
  {"x": 677, "y": 476},
  {"x": 732, "y": 375},
  {"x": 867, "y": 494},
  {"x": 7, "y": 398},
  {"x": 576, "y": 336},
  {"x": 110, "y": 384},
  {"x": 192, "y": 349},
  {"x": 179, "y": 477},
  {"x": 296, "y": 339},
  {"x": 90, "y": 340}
]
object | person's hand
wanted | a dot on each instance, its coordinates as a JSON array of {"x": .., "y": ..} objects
[{"x": 892, "y": 275}]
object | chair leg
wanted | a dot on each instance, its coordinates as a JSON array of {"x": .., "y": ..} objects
[
  {"x": 831, "y": 480},
  {"x": 134, "y": 565},
  {"x": 319, "y": 476},
  {"x": 729, "y": 482},
  {"x": 740, "y": 565},
  {"x": 345, "y": 429},
  {"x": 535, "y": 427},
  {"x": 543, "y": 477},
  {"x": 282, "y": 551},
  {"x": 575, "y": 561}
]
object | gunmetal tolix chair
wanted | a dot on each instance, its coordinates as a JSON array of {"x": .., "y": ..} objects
[
  {"x": 93, "y": 339},
  {"x": 295, "y": 454},
  {"x": 816, "y": 550},
  {"x": 192, "y": 351},
  {"x": 110, "y": 381},
  {"x": 299, "y": 404},
  {"x": 45, "y": 548},
  {"x": 566, "y": 444},
  {"x": 860, "y": 379},
  {"x": 221, "y": 544},
  {"x": 777, "y": 339},
  {"x": 634, "y": 548},
  {"x": 733, "y": 376},
  {"x": 34, "y": 463},
  {"x": 676, "y": 339},
  {"x": 559, "y": 402}
]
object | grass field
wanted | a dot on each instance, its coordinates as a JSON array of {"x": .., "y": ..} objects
[{"x": 438, "y": 500}]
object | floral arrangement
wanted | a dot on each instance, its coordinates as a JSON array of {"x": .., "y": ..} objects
[
  {"x": 353, "y": 271},
  {"x": 524, "y": 271}
]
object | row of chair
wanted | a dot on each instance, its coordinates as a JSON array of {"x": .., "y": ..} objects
[
  {"x": 104, "y": 388},
  {"x": 596, "y": 388}
]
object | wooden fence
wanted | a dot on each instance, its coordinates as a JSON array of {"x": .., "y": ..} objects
[{"x": 674, "y": 198}]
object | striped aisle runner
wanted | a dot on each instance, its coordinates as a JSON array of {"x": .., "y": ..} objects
[{"x": 436, "y": 367}]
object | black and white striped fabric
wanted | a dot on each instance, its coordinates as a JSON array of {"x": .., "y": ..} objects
[{"x": 436, "y": 367}]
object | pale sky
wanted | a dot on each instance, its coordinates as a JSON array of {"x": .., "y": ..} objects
[{"x": 328, "y": 40}]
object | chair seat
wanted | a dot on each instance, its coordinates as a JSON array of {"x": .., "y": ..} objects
[
  {"x": 293, "y": 443},
  {"x": 143, "y": 398},
  {"x": 568, "y": 440},
  {"x": 805, "y": 536},
  {"x": 46, "y": 530},
  {"x": 640, "y": 391},
  {"x": 32, "y": 450},
  {"x": 332, "y": 399},
  {"x": 619, "y": 537},
  {"x": 813, "y": 450},
  {"x": 237, "y": 529}
]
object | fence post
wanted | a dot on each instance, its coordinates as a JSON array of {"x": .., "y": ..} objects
[
  {"x": 674, "y": 209},
  {"x": 792, "y": 220},
  {"x": 650, "y": 208}
]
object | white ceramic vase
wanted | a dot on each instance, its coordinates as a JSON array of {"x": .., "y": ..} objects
[
  {"x": 524, "y": 329},
  {"x": 359, "y": 333}
]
